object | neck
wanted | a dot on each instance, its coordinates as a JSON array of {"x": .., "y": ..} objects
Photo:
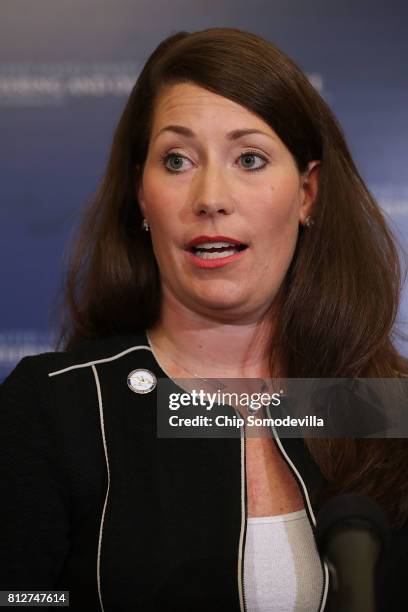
[{"x": 211, "y": 349}]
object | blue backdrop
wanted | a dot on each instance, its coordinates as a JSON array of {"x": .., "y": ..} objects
[{"x": 67, "y": 67}]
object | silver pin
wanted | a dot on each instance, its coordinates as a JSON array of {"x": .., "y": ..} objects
[{"x": 141, "y": 381}]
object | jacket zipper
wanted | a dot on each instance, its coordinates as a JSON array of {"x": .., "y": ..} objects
[{"x": 309, "y": 510}]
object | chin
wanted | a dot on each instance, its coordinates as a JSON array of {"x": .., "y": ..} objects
[{"x": 224, "y": 303}]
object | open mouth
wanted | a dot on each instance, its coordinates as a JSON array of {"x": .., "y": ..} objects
[{"x": 216, "y": 250}]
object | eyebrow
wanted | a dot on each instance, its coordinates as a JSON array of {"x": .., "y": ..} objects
[{"x": 234, "y": 135}]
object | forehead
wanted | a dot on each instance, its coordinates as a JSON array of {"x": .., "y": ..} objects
[{"x": 184, "y": 101}]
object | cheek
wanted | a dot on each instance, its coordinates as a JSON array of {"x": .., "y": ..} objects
[
  {"x": 158, "y": 201},
  {"x": 163, "y": 218},
  {"x": 277, "y": 225},
  {"x": 280, "y": 210}
]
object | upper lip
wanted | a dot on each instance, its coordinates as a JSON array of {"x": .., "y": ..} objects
[{"x": 200, "y": 239}]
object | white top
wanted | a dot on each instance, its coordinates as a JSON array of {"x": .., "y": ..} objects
[{"x": 282, "y": 569}]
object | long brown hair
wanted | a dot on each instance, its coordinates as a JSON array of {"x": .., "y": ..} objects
[{"x": 341, "y": 293}]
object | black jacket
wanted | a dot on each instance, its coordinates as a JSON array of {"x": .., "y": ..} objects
[{"x": 94, "y": 502}]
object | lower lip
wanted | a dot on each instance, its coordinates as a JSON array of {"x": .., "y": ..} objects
[{"x": 215, "y": 262}]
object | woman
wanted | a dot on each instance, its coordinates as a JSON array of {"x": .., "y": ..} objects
[{"x": 231, "y": 236}]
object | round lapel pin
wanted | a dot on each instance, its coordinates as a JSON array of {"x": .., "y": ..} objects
[{"x": 141, "y": 381}]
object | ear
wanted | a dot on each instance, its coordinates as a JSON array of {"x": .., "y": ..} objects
[
  {"x": 310, "y": 185},
  {"x": 139, "y": 190}
]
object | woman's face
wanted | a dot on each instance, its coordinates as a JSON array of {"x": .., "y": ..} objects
[{"x": 217, "y": 176}]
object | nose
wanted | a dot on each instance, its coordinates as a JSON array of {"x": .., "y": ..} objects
[{"x": 212, "y": 194}]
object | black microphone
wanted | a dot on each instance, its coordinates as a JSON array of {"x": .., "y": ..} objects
[{"x": 352, "y": 532}]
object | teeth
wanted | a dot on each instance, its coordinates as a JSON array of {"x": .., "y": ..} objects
[
  {"x": 213, "y": 245},
  {"x": 203, "y": 255}
]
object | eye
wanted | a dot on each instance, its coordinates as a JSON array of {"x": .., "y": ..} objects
[
  {"x": 248, "y": 158},
  {"x": 175, "y": 160}
]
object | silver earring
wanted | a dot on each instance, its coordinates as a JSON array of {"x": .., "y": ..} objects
[
  {"x": 309, "y": 222},
  {"x": 145, "y": 225}
]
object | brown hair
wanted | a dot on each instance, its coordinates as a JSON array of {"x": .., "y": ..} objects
[{"x": 342, "y": 290}]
